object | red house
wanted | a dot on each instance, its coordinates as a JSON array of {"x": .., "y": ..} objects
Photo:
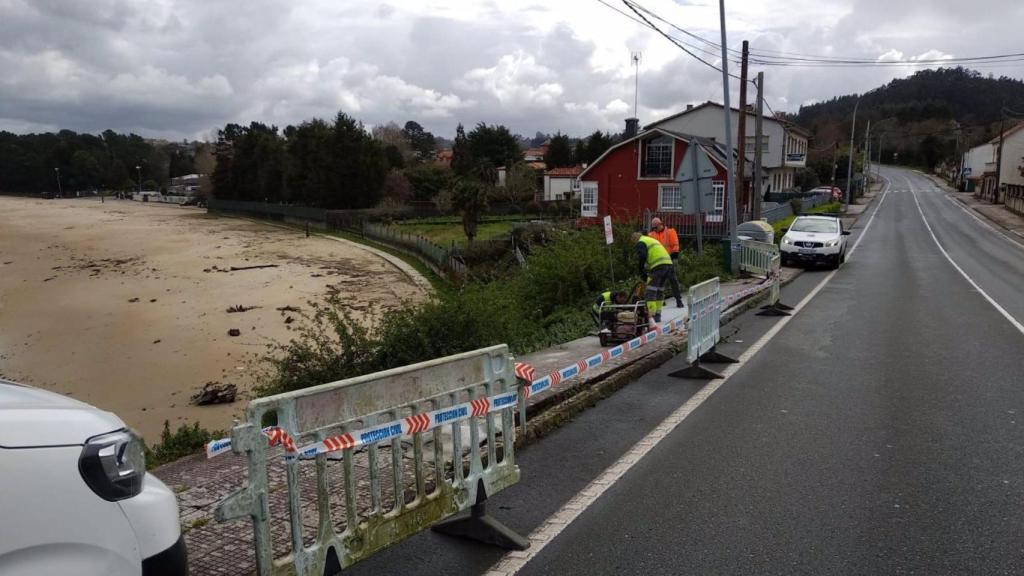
[{"x": 636, "y": 179}]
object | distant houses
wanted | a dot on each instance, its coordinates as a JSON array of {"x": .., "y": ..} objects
[{"x": 998, "y": 175}]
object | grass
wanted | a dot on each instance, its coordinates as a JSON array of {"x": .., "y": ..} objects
[{"x": 446, "y": 233}]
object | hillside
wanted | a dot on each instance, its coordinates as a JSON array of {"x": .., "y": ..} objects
[{"x": 919, "y": 115}]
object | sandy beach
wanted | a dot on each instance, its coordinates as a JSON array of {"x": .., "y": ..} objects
[{"x": 124, "y": 305}]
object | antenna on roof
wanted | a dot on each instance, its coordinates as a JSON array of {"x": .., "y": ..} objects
[{"x": 636, "y": 56}]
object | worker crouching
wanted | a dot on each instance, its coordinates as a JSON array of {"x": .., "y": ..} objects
[{"x": 602, "y": 317}]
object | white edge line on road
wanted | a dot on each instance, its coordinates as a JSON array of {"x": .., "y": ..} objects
[
  {"x": 971, "y": 213},
  {"x": 544, "y": 534},
  {"x": 991, "y": 301}
]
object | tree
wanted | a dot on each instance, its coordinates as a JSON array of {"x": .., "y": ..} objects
[
  {"x": 428, "y": 180},
  {"x": 559, "y": 153},
  {"x": 397, "y": 188},
  {"x": 421, "y": 141},
  {"x": 469, "y": 197},
  {"x": 462, "y": 155},
  {"x": 521, "y": 184},
  {"x": 360, "y": 163},
  {"x": 394, "y": 157},
  {"x": 494, "y": 144},
  {"x": 597, "y": 143}
]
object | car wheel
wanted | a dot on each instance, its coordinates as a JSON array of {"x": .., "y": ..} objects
[
  {"x": 834, "y": 263},
  {"x": 842, "y": 257}
]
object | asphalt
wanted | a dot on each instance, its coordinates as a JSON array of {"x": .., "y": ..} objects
[
  {"x": 879, "y": 432},
  {"x": 564, "y": 462}
]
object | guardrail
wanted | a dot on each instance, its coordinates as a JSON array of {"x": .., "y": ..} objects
[{"x": 364, "y": 503}]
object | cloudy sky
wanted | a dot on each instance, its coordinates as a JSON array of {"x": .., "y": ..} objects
[{"x": 183, "y": 68}]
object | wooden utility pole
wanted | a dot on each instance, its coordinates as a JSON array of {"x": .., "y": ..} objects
[
  {"x": 741, "y": 143},
  {"x": 999, "y": 154},
  {"x": 758, "y": 148},
  {"x": 835, "y": 161}
]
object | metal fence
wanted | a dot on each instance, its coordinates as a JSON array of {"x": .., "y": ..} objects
[
  {"x": 442, "y": 260},
  {"x": 717, "y": 226},
  {"x": 424, "y": 409}
]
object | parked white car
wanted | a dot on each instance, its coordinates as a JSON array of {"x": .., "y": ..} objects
[
  {"x": 814, "y": 239},
  {"x": 75, "y": 497}
]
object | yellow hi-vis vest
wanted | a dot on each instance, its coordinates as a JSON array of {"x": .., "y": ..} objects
[{"x": 657, "y": 255}]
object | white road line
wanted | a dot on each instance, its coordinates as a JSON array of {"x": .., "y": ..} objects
[
  {"x": 991, "y": 301},
  {"x": 513, "y": 562},
  {"x": 864, "y": 232},
  {"x": 971, "y": 213}
]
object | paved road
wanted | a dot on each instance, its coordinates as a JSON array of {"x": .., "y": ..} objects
[{"x": 880, "y": 431}]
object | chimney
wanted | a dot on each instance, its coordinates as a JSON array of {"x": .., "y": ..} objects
[
  {"x": 689, "y": 107},
  {"x": 632, "y": 127}
]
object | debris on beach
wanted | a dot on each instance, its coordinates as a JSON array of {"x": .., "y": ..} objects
[
  {"x": 234, "y": 332},
  {"x": 288, "y": 309},
  {"x": 240, "y": 308},
  {"x": 255, "y": 267},
  {"x": 133, "y": 299},
  {"x": 215, "y": 393}
]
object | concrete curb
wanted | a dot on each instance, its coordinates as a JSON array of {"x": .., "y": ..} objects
[{"x": 562, "y": 407}]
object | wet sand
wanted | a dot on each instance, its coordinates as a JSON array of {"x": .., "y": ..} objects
[{"x": 124, "y": 305}]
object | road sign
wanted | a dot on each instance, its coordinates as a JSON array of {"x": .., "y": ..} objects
[
  {"x": 705, "y": 168},
  {"x": 696, "y": 162},
  {"x": 608, "y": 238}
]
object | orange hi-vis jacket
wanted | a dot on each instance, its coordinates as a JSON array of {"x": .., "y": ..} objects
[{"x": 668, "y": 238}]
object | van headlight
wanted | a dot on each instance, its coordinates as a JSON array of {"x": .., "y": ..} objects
[{"x": 113, "y": 465}]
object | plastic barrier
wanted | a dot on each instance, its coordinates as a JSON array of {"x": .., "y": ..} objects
[
  {"x": 774, "y": 306},
  {"x": 359, "y": 511},
  {"x": 705, "y": 304},
  {"x": 756, "y": 257}
]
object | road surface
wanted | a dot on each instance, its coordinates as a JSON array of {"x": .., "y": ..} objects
[{"x": 879, "y": 430}]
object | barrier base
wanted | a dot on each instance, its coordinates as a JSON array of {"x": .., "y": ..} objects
[
  {"x": 777, "y": 309},
  {"x": 696, "y": 372},
  {"x": 715, "y": 357},
  {"x": 480, "y": 526}
]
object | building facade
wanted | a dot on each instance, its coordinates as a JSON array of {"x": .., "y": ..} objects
[
  {"x": 783, "y": 145},
  {"x": 636, "y": 178}
]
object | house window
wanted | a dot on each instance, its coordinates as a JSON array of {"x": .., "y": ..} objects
[
  {"x": 670, "y": 197},
  {"x": 588, "y": 205},
  {"x": 656, "y": 158},
  {"x": 764, "y": 144},
  {"x": 718, "y": 187}
]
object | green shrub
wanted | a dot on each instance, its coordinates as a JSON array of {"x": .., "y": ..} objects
[
  {"x": 543, "y": 304},
  {"x": 184, "y": 441}
]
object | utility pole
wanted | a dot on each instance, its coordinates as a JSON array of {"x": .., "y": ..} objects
[
  {"x": 730, "y": 186},
  {"x": 999, "y": 155},
  {"x": 867, "y": 157},
  {"x": 835, "y": 161},
  {"x": 758, "y": 136},
  {"x": 849, "y": 162},
  {"x": 741, "y": 144}
]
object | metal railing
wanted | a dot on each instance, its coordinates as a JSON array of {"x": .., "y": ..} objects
[
  {"x": 370, "y": 500},
  {"x": 714, "y": 225},
  {"x": 440, "y": 257}
]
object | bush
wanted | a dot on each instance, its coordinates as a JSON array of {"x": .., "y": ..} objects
[
  {"x": 797, "y": 205},
  {"x": 543, "y": 304},
  {"x": 184, "y": 441}
]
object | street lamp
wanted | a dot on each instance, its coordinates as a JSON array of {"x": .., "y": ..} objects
[
  {"x": 849, "y": 163},
  {"x": 60, "y": 191},
  {"x": 138, "y": 170}
]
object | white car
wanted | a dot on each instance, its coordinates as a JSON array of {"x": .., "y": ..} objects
[
  {"x": 814, "y": 239},
  {"x": 75, "y": 497}
]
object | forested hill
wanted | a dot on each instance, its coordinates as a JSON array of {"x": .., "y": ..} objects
[
  {"x": 922, "y": 120},
  {"x": 959, "y": 94}
]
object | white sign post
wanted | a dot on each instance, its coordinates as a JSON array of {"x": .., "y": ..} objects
[{"x": 609, "y": 239}]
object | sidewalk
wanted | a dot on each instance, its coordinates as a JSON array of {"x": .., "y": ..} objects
[
  {"x": 995, "y": 213},
  {"x": 216, "y": 548}
]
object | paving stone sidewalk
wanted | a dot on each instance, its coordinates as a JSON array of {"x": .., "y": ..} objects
[{"x": 227, "y": 549}]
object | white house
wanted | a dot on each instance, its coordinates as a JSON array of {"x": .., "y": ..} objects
[
  {"x": 974, "y": 165},
  {"x": 783, "y": 145},
  {"x": 561, "y": 181}
]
